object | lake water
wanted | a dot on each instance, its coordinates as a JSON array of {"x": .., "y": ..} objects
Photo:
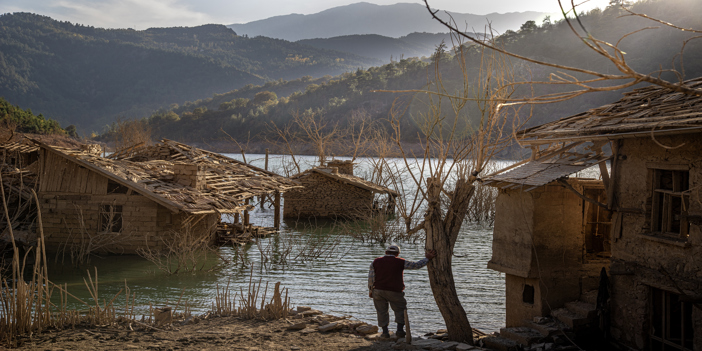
[{"x": 336, "y": 285}]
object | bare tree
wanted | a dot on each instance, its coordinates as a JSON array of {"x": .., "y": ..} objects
[
  {"x": 454, "y": 157},
  {"x": 627, "y": 76},
  {"x": 324, "y": 136},
  {"x": 460, "y": 134}
]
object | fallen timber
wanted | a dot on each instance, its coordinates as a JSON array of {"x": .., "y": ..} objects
[{"x": 239, "y": 234}]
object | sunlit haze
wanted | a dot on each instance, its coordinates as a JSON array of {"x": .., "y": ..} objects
[{"x": 140, "y": 14}]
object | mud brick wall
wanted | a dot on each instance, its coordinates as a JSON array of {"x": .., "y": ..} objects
[
  {"x": 190, "y": 175},
  {"x": 70, "y": 219},
  {"x": 71, "y": 198},
  {"x": 538, "y": 240},
  {"x": 326, "y": 197},
  {"x": 345, "y": 167},
  {"x": 639, "y": 256}
]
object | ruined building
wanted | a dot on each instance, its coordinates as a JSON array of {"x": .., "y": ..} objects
[
  {"x": 333, "y": 191},
  {"x": 141, "y": 197},
  {"x": 554, "y": 234}
]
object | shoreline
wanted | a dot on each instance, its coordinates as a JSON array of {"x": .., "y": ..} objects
[{"x": 307, "y": 329}]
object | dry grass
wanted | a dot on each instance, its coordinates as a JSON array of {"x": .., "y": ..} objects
[
  {"x": 30, "y": 303},
  {"x": 26, "y": 305},
  {"x": 246, "y": 305}
]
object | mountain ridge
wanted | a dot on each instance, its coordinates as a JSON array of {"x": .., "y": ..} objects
[
  {"x": 89, "y": 76},
  {"x": 364, "y": 18}
]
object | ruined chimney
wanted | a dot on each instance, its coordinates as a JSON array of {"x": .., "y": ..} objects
[
  {"x": 191, "y": 175},
  {"x": 344, "y": 167},
  {"x": 335, "y": 170}
]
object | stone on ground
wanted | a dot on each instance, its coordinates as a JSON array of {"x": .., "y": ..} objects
[
  {"x": 367, "y": 329},
  {"x": 303, "y": 308},
  {"x": 329, "y": 327},
  {"x": 298, "y": 326}
]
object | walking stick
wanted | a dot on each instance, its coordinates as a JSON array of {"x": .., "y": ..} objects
[{"x": 408, "y": 336}]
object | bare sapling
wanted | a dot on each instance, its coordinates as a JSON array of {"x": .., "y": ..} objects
[
  {"x": 82, "y": 242},
  {"x": 308, "y": 241},
  {"x": 131, "y": 133},
  {"x": 188, "y": 249}
]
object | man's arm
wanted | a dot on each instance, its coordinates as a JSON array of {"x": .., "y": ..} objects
[
  {"x": 421, "y": 263},
  {"x": 371, "y": 277}
]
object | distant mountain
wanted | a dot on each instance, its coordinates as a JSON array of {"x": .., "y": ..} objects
[
  {"x": 89, "y": 76},
  {"x": 381, "y": 47},
  {"x": 342, "y": 99},
  {"x": 364, "y": 18}
]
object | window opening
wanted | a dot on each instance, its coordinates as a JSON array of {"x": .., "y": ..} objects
[
  {"x": 110, "y": 218},
  {"x": 671, "y": 322},
  {"x": 528, "y": 294},
  {"x": 670, "y": 203}
]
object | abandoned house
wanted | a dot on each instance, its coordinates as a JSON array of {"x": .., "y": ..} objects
[
  {"x": 142, "y": 197},
  {"x": 641, "y": 223},
  {"x": 334, "y": 191}
]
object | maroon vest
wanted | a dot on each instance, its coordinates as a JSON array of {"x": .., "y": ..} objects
[{"x": 388, "y": 273}]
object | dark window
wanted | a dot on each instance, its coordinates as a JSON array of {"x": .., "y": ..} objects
[
  {"x": 110, "y": 218},
  {"x": 596, "y": 223},
  {"x": 116, "y": 188},
  {"x": 671, "y": 322},
  {"x": 669, "y": 203},
  {"x": 528, "y": 294}
]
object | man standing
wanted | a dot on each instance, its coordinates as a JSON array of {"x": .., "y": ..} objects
[{"x": 386, "y": 285}]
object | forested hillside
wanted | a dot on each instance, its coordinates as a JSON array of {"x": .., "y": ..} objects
[
  {"x": 14, "y": 118},
  {"x": 89, "y": 76},
  {"x": 381, "y": 47},
  {"x": 342, "y": 98}
]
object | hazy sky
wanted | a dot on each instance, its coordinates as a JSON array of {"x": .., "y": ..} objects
[{"x": 142, "y": 14}]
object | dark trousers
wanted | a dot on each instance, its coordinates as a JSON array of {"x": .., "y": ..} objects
[{"x": 381, "y": 299}]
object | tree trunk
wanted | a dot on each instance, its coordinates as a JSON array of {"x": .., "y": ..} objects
[{"x": 441, "y": 236}]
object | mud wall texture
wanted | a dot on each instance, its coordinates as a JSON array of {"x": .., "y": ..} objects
[
  {"x": 82, "y": 210},
  {"x": 645, "y": 258},
  {"x": 326, "y": 197},
  {"x": 538, "y": 240}
]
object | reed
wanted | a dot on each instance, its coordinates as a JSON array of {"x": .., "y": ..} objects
[
  {"x": 26, "y": 298},
  {"x": 245, "y": 305}
]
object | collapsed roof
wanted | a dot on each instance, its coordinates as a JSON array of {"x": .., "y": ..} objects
[
  {"x": 228, "y": 182},
  {"x": 639, "y": 113},
  {"x": 348, "y": 179}
]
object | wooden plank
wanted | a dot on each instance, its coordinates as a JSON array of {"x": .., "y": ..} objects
[
  {"x": 276, "y": 206},
  {"x": 128, "y": 183}
]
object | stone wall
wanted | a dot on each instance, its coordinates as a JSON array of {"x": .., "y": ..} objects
[
  {"x": 642, "y": 260},
  {"x": 326, "y": 197}
]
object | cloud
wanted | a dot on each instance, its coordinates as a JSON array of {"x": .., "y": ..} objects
[{"x": 136, "y": 14}]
